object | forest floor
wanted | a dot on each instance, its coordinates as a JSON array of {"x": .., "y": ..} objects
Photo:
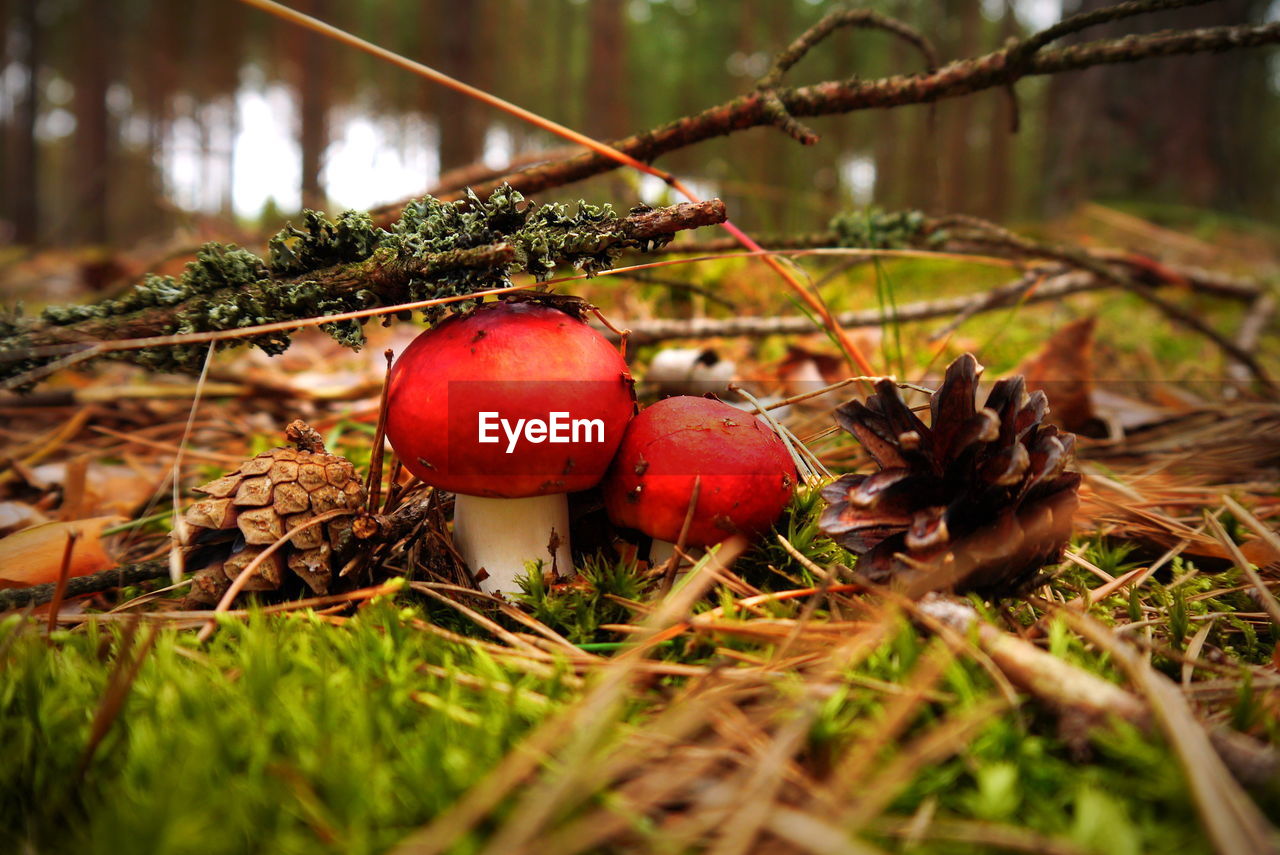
[{"x": 768, "y": 703}]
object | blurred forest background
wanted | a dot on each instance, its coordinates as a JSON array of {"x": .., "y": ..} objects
[{"x": 124, "y": 120}]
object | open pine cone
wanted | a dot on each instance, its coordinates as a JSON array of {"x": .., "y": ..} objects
[
  {"x": 979, "y": 500},
  {"x": 253, "y": 507}
]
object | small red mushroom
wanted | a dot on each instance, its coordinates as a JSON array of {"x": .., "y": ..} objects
[
  {"x": 744, "y": 471},
  {"x": 509, "y": 407}
]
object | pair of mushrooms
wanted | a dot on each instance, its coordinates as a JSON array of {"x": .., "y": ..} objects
[{"x": 515, "y": 404}]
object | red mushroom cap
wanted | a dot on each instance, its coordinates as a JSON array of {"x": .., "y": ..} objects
[
  {"x": 747, "y": 474},
  {"x": 520, "y": 361}
]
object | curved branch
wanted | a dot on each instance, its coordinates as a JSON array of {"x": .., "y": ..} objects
[
  {"x": 794, "y": 52},
  {"x": 834, "y": 97}
]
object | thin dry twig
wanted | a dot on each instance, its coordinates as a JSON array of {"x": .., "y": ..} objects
[
  {"x": 60, "y": 587},
  {"x": 128, "y": 662},
  {"x": 650, "y": 331},
  {"x": 673, "y": 561}
]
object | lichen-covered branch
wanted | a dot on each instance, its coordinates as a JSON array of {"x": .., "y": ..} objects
[
  {"x": 1003, "y": 67},
  {"x": 437, "y": 249}
]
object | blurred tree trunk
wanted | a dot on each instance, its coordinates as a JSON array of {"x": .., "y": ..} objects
[
  {"x": 890, "y": 192},
  {"x": 160, "y": 75},
  {"x": 608, "y": 95},
  {"x": 95, "y": 23},
  {"x": 1167, "y": 129},
  {"x": 922, "y": 128},
  {"x": 955, "y": 134},
  {"x": 25, "y": 164},
  {"x": 461, "y": 119},
  {"x": 1000, "y": 168},
  {"x": 313, "y": 108},
  {"x": 6, "y": 117},
  {"x": 607, "y": 90}
]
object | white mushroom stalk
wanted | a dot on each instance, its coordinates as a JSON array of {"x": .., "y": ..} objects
[
  {"x": 510, "y": 407},
  {"x": 498, "y": 538}
]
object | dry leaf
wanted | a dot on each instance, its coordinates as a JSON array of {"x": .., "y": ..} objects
[
  {"x": 33, "y": 556},
  {"x": 1063, "y": 370},
  {"x": 19, "y": 515},
  {"x": 108, "y": 488}
]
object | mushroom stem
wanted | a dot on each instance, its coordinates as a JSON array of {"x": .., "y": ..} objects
[
  {"x": 660, "y": 552},
  {"x": 501, "y": 535}
]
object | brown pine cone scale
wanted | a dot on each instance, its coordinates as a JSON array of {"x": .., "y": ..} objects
[
  {"x": 254, "y": 507},
  {"x": 978, "y": 500}
]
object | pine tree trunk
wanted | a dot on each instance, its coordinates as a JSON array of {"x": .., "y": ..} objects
[
  {"x": 313, "y": 89},
  {"x": 461, "y": 119},
  {"x": 890, "y": 191},
  {"x": 1000, "y": 172},
  {"x": 607, "y": 90},
  {"x": 6, "y": 120},
  {"x": 1165, "y": 130},
  {"x": 25, "y": 181},
  {"x": 94, "y": 70},
  {"x": 957, "y": 161}
]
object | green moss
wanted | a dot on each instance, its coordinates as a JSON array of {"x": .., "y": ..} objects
[
  {"x": 321, "y": 243},
  {"x": 285, "y": 736}
]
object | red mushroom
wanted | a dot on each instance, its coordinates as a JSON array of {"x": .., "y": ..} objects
[
  {"x": 509, "y": 407},
  {"x": 745, "y": 473}
]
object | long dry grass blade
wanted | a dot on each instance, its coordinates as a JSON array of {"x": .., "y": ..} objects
[
  {"x": 1265, "y": 596},
  {"x": 1233, "y": 821}
]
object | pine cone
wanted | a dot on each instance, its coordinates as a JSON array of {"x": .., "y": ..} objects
[
  {"x": 253, "y": 507},
  {"x": 978, "y": 501}
]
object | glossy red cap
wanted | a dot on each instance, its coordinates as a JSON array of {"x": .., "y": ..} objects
[
  {"x": 747, "y": 475},
  {"x": 522, "y": 361}
]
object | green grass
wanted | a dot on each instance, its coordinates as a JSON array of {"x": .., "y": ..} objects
[{"x": 289, "y": 734}]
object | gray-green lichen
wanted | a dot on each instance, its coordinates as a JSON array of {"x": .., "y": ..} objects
[
  {"x": 321, "y": 243},
  {"x": 543, "y": 236},
  {"x": 227, "y": 287},
  {"x": 872, "y": 228}
]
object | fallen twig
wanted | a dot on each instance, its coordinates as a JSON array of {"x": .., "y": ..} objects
[
  {"x": 654, "y": 330},
  {"x": 38, "y": 595}
]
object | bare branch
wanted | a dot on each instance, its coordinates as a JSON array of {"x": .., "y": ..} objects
[
  {"x": 1056, "y": 287},
  {"x": 854, "y": 18},
  {"x": 963, "y": 77}
]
